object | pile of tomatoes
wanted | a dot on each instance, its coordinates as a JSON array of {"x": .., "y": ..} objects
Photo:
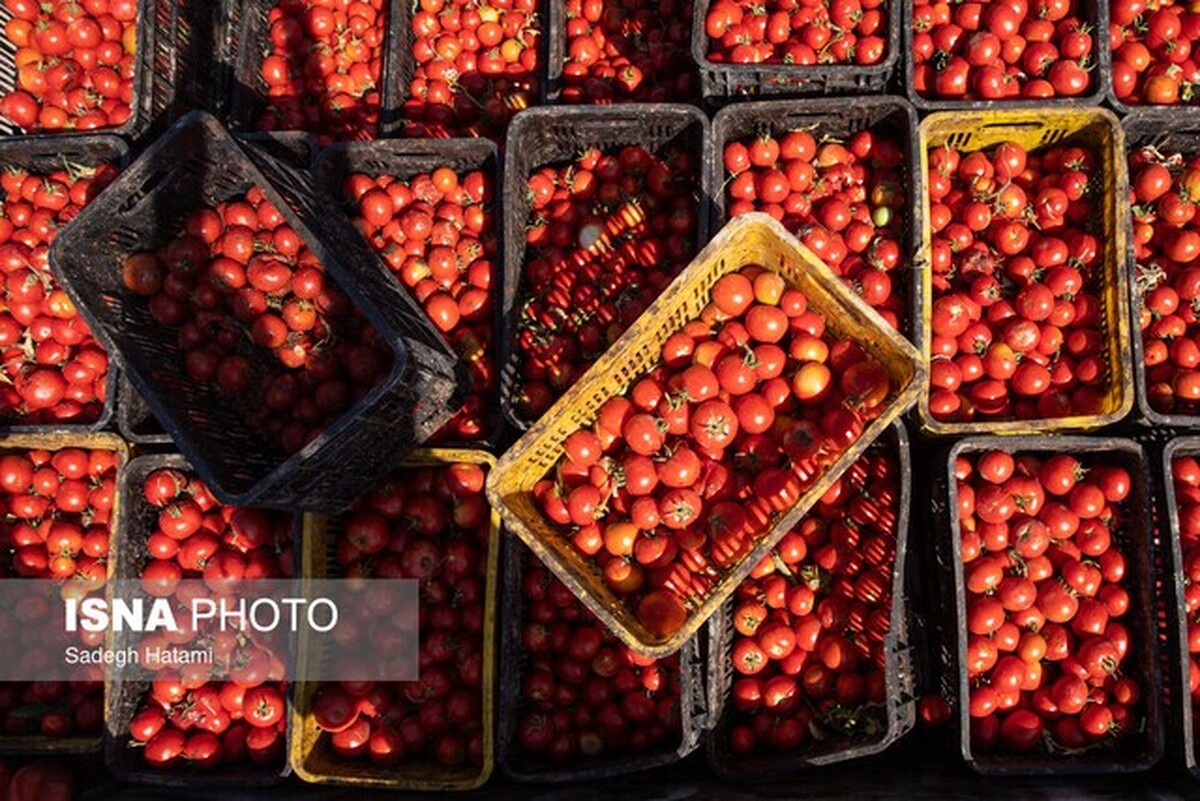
[
  {"x": 1017, "y": 316},
  {"x": 436, "y": 230},
  {"x": 53, "y": 371},
  {"x": 1002, "y": 49},
  {"x": 475, "y": 66},
  {"x": 584, "y": 693},
  {"x": 1185, "y": 472},
  {"x": 432, "y": 524},
  {"x": 629, "y": 51},
  {"x": 795, "y": 33},
  {"x": 233, "y": 711},
  {"x": 324, "y": 71},
  {"x": 844, "y": 200},
  {"x": 75, "y": 63},
  {"x": 1152, "y": 51},
  {"x": 56, "y": 510},
  {"x": 811, "y": 622},
  {"x": 1042, "y": 541},
  {"x": 1166, "y": 241},
  {"x": 258, "y": 320},
  {"x": 606, "y": 234},
  {"x": 680, "y": 477}
]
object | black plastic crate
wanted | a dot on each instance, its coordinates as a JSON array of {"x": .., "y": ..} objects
[
  {"x": 243, "y": 34},
  {"x": 144, "y": 79},
  {"x": 56, "y": 439},
  {"x": 191, "y": 66},
  {"x": 44, "y": 154},
  {"x": 827, "y": 117},
  {"x": 544, "y": 136},
  {"x": 899, "y": 711},
  {"x": 135, "y": 420},
  {"x": 721, "y": 82},
  {"x": 197, "y": 162},
  {"x": 693, "y": 710},
  {"x": 1135, "y": 753},
  {"x": 1093, "y": 13},
  {"x": 403, "y": 159},
  {"x": 129, "y": 555},
  {"x": 400, "y": 65},
  {"x": 1180, "y": 705},
  {"x": 1166, "y": 130}
]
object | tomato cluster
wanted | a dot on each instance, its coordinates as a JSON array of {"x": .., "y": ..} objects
[
  {"x": 1017, "y": 316},
  {"x": 1001, "y": 49},
  {"x": 812, "y": 620},
  {"x": 53, "y": 369},
  {"x": 232, "y": 712},
  {"x": 56, "y": 511},
  {"x": 1152, "y": 51},
  {"x": 75, "y": 62},
  {"x": 1166, "y": 241},
  {"x": 1185, "y": 472},
  {"x": 433, "y": 525},
  {"x": 586, "y": 694},
  {"x": 845, "y": 200},
  {"x": 606, "y": 234},
  {"x": 476, "y": 66},
  {"x": 239, "y": 280},
  {"x": 1045, "y": 573},
  {"x": 678, "y": 478},
  {"x": 436, "y": 230},
  {"x": 635, "y": 50},
  {"x": 324, "y": 71},
  {"x": 797, "y": 33}
]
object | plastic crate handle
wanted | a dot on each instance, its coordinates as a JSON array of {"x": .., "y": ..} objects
[{"x": 147, "y": 188}]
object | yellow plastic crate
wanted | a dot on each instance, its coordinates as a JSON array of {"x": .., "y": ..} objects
[
  {"x": 748, "y": 239},
  {"x": 1097, "y": 130},
  {"x": 309, "y": 753},
  {"x": 57, "y": 441}
]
